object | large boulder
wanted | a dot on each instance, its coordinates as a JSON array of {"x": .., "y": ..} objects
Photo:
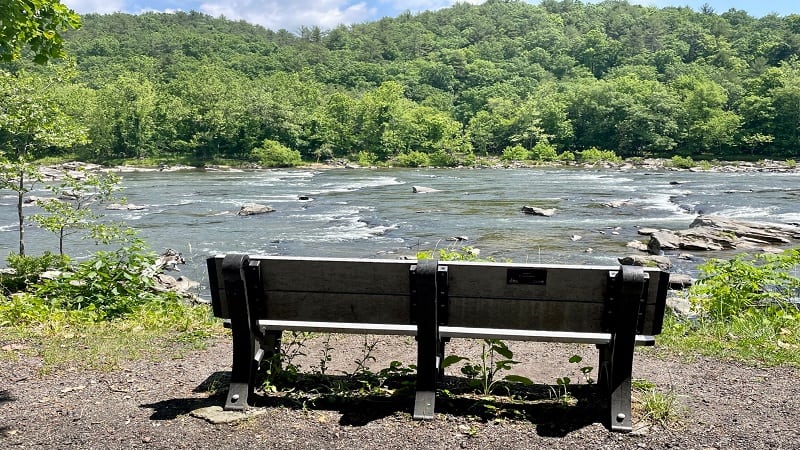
[
  {"x": 254, "y": 209},
  {"x": 719, "y": 233},
  {"x": 758, "y": 232}
]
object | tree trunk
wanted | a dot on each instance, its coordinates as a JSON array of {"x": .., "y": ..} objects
[{"x": 20, "y": 215}]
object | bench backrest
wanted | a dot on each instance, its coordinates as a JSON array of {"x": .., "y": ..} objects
[{"x": 478, "y": 294}]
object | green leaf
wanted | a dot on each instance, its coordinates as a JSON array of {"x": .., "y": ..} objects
[
  {"x": 452, "y": 359},
  {"x": 575, "y": 359},
  {"x": 518, "y": 379},
  {"x": 503, "y": 350}
]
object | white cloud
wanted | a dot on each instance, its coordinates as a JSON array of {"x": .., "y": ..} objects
[
  {"x": 95, "y": 6},
  {"x": 394, "y": 7},
  {"x": 277, "y": 15}
]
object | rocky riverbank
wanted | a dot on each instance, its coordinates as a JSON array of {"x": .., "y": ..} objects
[{"x": 655, "y": 164}]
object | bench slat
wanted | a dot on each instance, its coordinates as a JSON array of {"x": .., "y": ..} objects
[
  {"x": 550, "y": 298},
  {"x": 526, "y": 314},
  {"x": 338, "y": 307},
  {"x": 534, "y": 335},
  {"x": 339, "y": 327},
  {"x": 569, "y": 283},
  {"x": 363, "y": 276},
  {"x": 445, "y": 331}
]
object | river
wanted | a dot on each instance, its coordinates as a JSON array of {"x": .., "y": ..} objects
[{"x": 374, "y": 213}]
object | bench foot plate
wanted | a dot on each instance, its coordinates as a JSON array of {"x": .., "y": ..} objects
[
  {"x": 424, "y": 405},
  {"x": 237, "y": 397}
]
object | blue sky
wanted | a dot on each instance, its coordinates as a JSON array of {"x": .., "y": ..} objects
[{"x": 292, "y": 14}]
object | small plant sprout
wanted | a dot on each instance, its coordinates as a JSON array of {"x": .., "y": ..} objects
[
  {"x": 585, "y": 370},
  {"x": 562, "y": 393},
  {"x": 325, "y": 354},
  {"x": 495, "y": 358},
  {"x": 366, "y": 356}
]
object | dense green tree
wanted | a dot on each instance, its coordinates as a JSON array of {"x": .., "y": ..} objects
[
  {"x": 704, "y": 122},
  {"x": 336, "y": 124},
  {"x": 213, "y": 101},
  {"x": 785, "y": 100},
  {"x": 566, "y": 74},
  {"x": 35, "y": 24},
  {"x": 128, "y": 117},
  {"x": 31, "y": 123}
]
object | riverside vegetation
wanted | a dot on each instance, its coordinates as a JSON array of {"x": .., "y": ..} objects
[{"x": 509, "y": 79}]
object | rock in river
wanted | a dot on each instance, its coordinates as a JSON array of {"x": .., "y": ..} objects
[
  {"x": 423, "y": 190},
  {"x": 662, "y": 262},
  {"x": 534, "y": 211},
  {"x": 253, "y": 209},
  {"x": 719, "y": 233}
]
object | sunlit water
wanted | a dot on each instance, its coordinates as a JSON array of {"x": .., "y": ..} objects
[{"x": 374, "y": 213}]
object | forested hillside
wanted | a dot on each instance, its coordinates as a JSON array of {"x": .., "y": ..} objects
[{"x": 544, "y": 79}]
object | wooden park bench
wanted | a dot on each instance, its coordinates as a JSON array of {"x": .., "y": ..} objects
[{"x": 614, "y": 308}]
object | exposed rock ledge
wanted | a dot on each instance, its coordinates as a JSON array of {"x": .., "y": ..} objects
[{"x": 719, "y": 233}]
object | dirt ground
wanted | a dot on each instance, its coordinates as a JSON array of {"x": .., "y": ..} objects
[{"x": 147, "y": 404}]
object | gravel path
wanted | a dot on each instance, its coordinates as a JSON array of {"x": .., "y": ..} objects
[{"x": 147, "y": 404}]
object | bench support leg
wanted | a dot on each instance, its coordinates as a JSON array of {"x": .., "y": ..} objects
[
  {"x": 617, "y": 357},
  {"x": 245, "y": 357},
  {"x": 423, "y": 296}
]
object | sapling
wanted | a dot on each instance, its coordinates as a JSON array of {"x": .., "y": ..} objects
[{"x": 495, "y": 357}]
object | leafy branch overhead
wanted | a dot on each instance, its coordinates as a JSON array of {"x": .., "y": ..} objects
[{"x": 37, "y": 25}]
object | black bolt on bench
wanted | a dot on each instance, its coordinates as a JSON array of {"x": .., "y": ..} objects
[{"x": 615, "y": 308}]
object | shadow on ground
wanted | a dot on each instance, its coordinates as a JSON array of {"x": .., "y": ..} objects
[
  {"x": 215, "y": 386},
  {"x": 5, "y": 397},
  {"x": 553, "y": 416}
]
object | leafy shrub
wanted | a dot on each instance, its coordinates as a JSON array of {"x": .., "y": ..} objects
[
  {"x": 566, "y": 156},
  {"x": 681, "y": 162},
  {"x": 27, "y": 269},
  {"x": 543, "y": 151},
  {"x": 515, "y": 153},
  {"x": 470, "y": 160},
  {"x": 112, "y": 283},
  {"x": 747, "y": 308},
  {"x": 365, "y": 158},
  {"x": 413, "y": 159},
  {"x": 274, "y": 154},
  {"x": 441, "y": 158},
  {"x": 730, "y": 288},
  {"x": 593, "y": 155}
]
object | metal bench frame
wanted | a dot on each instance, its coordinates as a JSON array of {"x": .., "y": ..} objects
[{"x": 631, "y": 311}]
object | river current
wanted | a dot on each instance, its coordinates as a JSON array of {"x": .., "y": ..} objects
[{"x": 373, "y": 213}]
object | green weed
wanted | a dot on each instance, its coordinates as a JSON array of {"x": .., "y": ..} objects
[
  {"x": 662, "y": 408},
  {"x": 484, "y": 374},
  {"x": 747, "y": 310}
]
